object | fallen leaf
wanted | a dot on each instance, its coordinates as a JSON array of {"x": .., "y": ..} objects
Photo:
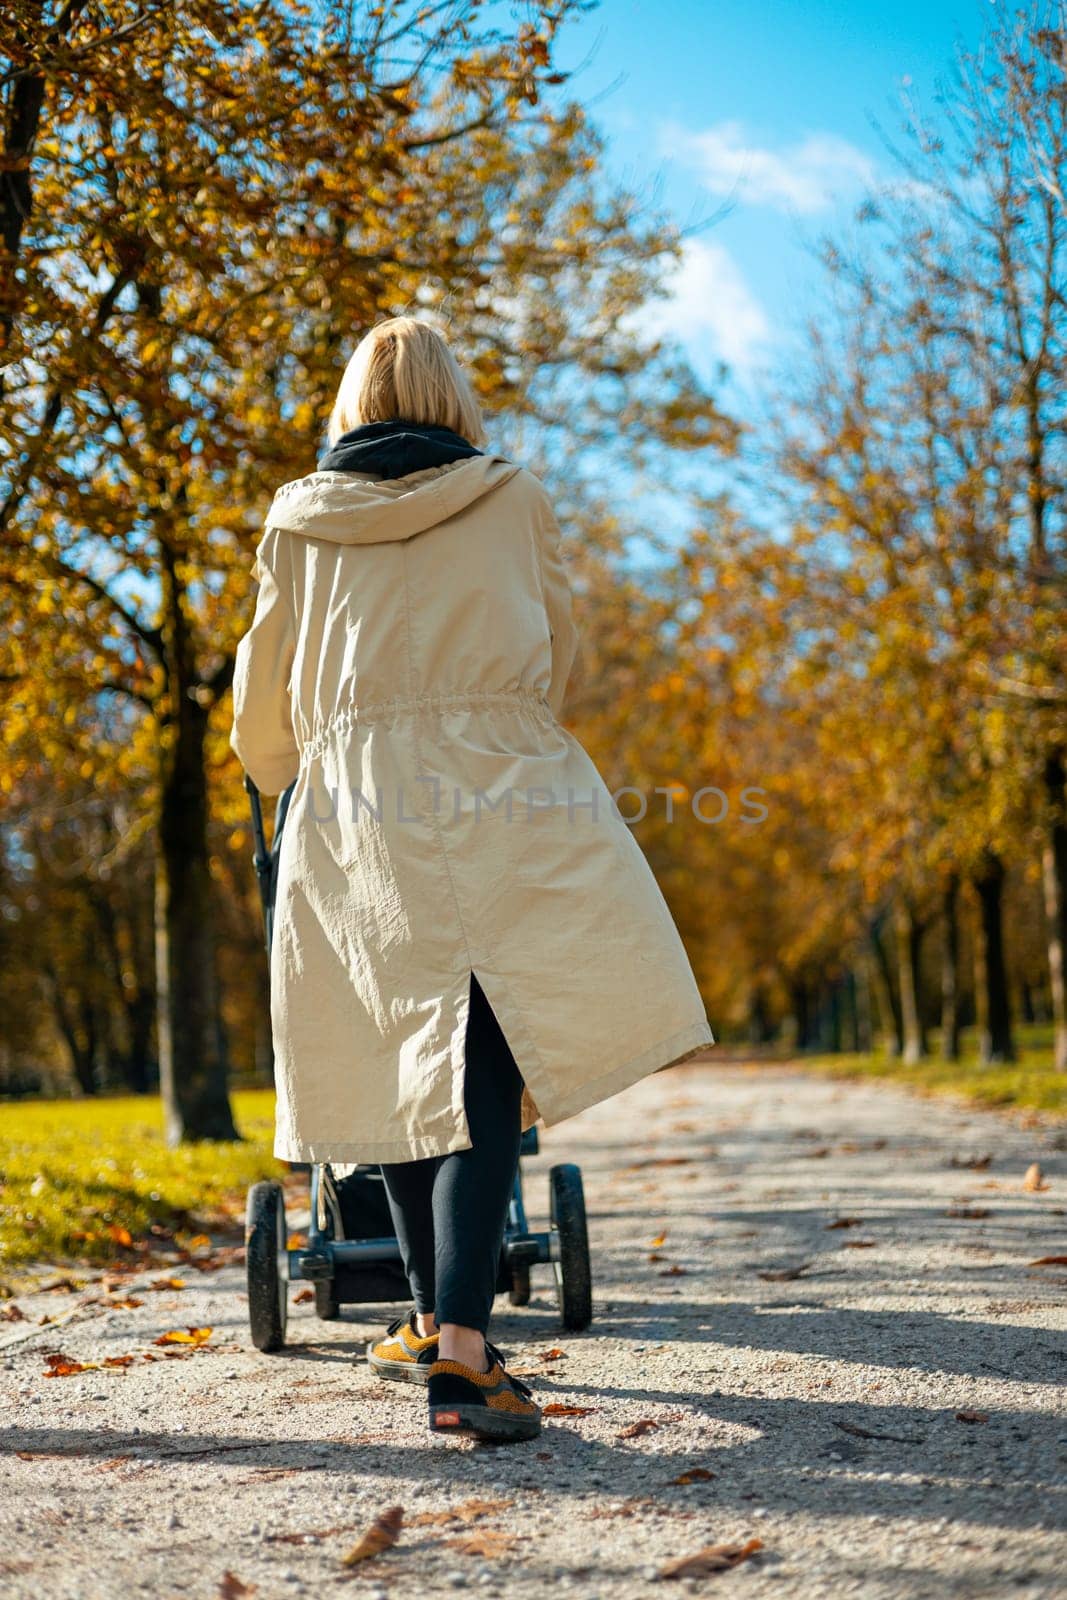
[
  {"x": 556, "y": 1408},
  {"x": 552, "y": 1355},
  {"x": 636, "y": 1429},
  {"x": 973, "y": 1163},
  {"x": 232, "y": 1588},
  {"x": 468, "y": 1511},
  {"x": 655, "y": 1256},
  {"x": 867, "y": 1433},
  {"x": 119, "y": 1361},
  {"x": 816, "y": 1155},
  {"x": 185, "y": 1336},
  {"x": 844, "y": 1222},
  {"x": 972, "y": 1416},
  {"x": 673, "y": 1271},
  {"x": 487, "y": 1543},
  {"x": 662, "y": 1161},
  {"x": 783, "y": 1274},
  {"x": 973, "y": 1212},
  {"x": 303, "y": 1298},
  {"x": 12, "y": 1313},
  {"x": 694, "y": 1475},
  {"x": 859, "y": 1244},
  {"x": 661, "y": 1238},
  {"x": 1050, "y": 1261},
  {"x": 1035, "y": 1178},
  {"x": 713, "y": 1558},
  {"x": 125, "y": 1305},
  {"x": 167, "y": 1283},
  {"x": 120, "y": 1235},
  {"x": 381, "y": 1535},
  {"x": 61, "y": 1366}
]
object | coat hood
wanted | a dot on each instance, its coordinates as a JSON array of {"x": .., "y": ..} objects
[{"x": 347, "y": 509}]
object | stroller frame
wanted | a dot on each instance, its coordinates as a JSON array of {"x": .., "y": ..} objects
[{"x": 345, "y": 1270}]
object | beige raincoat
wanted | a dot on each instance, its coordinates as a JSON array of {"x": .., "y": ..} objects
[{"x": 406, "y": 664}]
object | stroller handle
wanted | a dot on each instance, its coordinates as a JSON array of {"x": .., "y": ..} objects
[{"x": 264, "y": 860}]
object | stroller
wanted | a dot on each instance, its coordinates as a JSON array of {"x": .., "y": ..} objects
[{"x": 352, "y": 1255}]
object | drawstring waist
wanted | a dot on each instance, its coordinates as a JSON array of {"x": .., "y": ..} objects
[{"x": 414, "y": 704}]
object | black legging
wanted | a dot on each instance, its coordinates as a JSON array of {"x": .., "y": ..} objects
[{"x": 449, "y": 1211}]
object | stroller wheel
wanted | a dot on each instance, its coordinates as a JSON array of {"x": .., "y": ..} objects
[
  {"x": 266, "y": 1243},
  {"x": 573, "y": 1274},
  {"x": 519, "y": 1293},
  {"x": 327, "y": 1305}
]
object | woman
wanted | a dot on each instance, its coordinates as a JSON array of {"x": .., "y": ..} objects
[{"x": 467, "y": 936}]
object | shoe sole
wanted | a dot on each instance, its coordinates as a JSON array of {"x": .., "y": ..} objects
[
  {"x": 398, "y": 1371},
  {"x": 479, "y": 1422}
]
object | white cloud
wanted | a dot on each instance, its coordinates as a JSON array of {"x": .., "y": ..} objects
[
  {"x": 806, "y": 176},
  {"x": 709, "y": 308}
]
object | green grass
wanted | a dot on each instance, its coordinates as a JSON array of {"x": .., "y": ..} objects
[
  {"x": 79, "y": 1177},
  {"x": 1031, "y": 1083}
]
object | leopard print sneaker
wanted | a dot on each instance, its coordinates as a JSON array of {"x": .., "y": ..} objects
[
  {"x": 404, "y": 1354},
  {"x": 492, "y": 1406}
]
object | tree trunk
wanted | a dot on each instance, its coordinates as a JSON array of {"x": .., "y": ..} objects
[
  {"x": 192, "y": 1068},
  {"x": 909, "y": 932},
  {"x": 77, "y": 1026},
  {"x": 994, "y": 1003},
  {"x": 759, "y": 1024},
  {"x": 801, "y": 1012},
  {"x": 1054, "y": 875},
  {"x": 864, "y": 1007},
  {"x": 192, "y": 1072},
  {"x": 950, "y": 970},
  {"x": 888, "y": 1007}
]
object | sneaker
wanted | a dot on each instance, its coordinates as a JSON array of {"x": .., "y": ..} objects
[
  {"x": 491, "y": 1405},
  {"x": 407, "y": 1355},
  {"x": 404, "y": 1353}
]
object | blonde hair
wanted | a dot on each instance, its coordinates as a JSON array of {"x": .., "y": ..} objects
[{"x": 404, "y": 369}]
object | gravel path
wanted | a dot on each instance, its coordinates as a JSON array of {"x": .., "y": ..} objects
[{"x": 840, "y": 1338}]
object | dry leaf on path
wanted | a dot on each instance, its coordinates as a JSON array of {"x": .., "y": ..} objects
[
  {"x": 844, "y": 1222},
  {"x": 381, "y": 1535},
  {"x": 185, "y": 1336},
  {"x": 469, "y": 1511},
  {"x": 661, "y": 1238},
  {"x": 557, "y": 1409},
  {"x": 783, "y": 1274},
  {"x": 1034, "y": 1179},
  {"x": 973, "y": 1212},
  {"x": 694, "y": 1475},
  {"x": 304, "y": 1297},
  {"x": 552, "y": 1355},
  {"x": 61, "y": 1366},
  {"x": 972, "y": 1163},
  {"x": 972, "y": 1416},
  {"x": 232, "y": 1588},
  {"x": 713, "y": 1558},
  {"x": 487, "y": 1543},
  {"x": 1050, "y": 1261},
  {"x": 636, "y": 1429}
]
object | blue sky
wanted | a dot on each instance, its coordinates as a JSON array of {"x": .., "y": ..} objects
[{"x": 764, "y": 108}]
